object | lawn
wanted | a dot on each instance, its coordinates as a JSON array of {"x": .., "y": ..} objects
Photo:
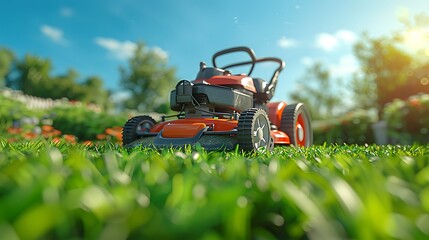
[{"x": 62, "y": 191}]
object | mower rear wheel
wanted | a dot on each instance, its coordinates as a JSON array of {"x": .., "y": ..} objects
[
  {"x": 296, "y": 123},
  {"x": 135, "y": 127},
  {"x": 254, "y": 130}
]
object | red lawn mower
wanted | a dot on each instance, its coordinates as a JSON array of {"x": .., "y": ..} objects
[{"x": 221, "y": 110}]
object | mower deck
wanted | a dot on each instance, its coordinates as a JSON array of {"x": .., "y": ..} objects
[{"x": 209, "y": 133}]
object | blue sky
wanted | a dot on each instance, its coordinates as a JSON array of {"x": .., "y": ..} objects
[{"x": 96, "y": 36}]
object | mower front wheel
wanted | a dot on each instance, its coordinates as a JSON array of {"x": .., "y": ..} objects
[
  {"x": 254, "y": 130},
  {"x": 296, "y": 123},
  {"x": 135, "y": 127}
]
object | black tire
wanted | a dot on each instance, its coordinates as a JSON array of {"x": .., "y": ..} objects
[
  {"x": 254, "y": 130},
  {"x": 134, "y": 127},
  {"x": 296, "y": 123}
]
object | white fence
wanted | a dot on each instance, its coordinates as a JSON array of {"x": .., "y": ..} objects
[{"x": 33, "y": 102}]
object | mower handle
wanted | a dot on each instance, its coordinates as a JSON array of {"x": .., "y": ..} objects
[
  {"x": 270, "y": 88},
  {"x": 236, "y": 49}
]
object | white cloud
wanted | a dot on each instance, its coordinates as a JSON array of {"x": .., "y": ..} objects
[
  {"x": 326, "y": 41},
  {"x": 346, "y": 66},
  {"x": 120, "y": 50},
  {"x": 66, "y": 12},
  {"x": 123, "y": 50},
  {"x": 55, "y": 34},
  {"x": 160, "y": 52},
  {"x": 329, "y": 42},
  {"x": 285, "y": 42},
  {"x": 346, "y": 36}
]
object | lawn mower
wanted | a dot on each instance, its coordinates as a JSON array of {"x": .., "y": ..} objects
[{"x": 222, "y": 110}]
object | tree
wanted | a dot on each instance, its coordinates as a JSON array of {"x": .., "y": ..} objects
[
  {"x": 385, "y": 70},
  {"x": 32, "y": 75},
  {"x": 319, "y": 93},
  {"x": 7, "y": 59},
  {"x": 94, "y": 92},
  {"x": 393, "y": 66},
  {"x": 148, "y": 78},
  {"x": 65, "y": 85}
]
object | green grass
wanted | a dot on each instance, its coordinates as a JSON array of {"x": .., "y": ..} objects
[{"x": 324, "y": 192}]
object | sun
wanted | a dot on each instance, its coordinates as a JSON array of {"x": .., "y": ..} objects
[{"x": 416, "y": 39}]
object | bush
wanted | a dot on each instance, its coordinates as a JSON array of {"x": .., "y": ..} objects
[
  {"x": 408, "y": 121},
  {"x": 12, "y": 111},
  {"x": 83, "y": 123},
  {"x": 352, "y": 128}
]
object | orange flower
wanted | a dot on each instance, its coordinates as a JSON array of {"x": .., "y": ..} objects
[
  {"x": 56, "y": 132},
  {"x": 13, "y": 130},
  {"x": 118, "y": 128},
  {"x": 56, "y": 140},
  {"x": 29, "y": 135},
  {"x": 88, "y": 143},
  {"x": 119, "y": 136},
  {"x": 47, "y": 128},
  {"x": 110, "y": 131},
  {"x": 69, "y": 138},
  {"x": 101, "y": 136},
  {"x": 53, "y": 133}
]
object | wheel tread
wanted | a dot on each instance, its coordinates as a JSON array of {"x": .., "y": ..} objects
[
  {"x": 287, "y": 124},
  {"x": 245, "y": 123},
  {"x": 129, "y": 134}
]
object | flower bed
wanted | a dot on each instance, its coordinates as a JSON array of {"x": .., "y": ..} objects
[{"x": 23, "y": 117}]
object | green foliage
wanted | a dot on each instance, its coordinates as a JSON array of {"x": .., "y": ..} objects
[
  {"x": 7, "y": 58},
  {"x": 84, "y": 123},
  {"x": 32, "y": 75},
  {"x": 408, "y": 121},
  {"x": 384, "y": 64},
  {"x": 93, "y": 92},
  {"x": 335, "y": 192},
  {"x": 11, "y": 111},
  {"x": 148, "y": 78},
  {"x": 76, "y": 119},
  {"x": 351, "y": 128},
  {"x": 390, "y": 67}
]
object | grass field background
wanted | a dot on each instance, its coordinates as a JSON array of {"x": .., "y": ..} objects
[{"x": 61, "y": 191}]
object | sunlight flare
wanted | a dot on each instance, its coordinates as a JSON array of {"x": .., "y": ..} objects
[{"x": 416, "y": 39}]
